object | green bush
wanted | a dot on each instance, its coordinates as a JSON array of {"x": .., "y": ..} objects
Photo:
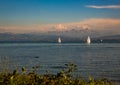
[{"x": 62, "y": 78}]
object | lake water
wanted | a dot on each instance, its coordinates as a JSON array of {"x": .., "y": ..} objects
[{"x": 98, "y": 60}]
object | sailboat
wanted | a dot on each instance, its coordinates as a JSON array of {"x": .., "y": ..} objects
[
  {"x": 59, "y": 40},
  {"x": 88, "y": 40}
]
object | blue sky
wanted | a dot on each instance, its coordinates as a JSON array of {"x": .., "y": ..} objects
[{"x": 30, "y": 12}]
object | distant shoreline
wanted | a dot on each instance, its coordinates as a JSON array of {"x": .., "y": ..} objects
[{"x": 94, "y": 41}]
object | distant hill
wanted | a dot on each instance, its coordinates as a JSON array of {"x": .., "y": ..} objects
[
  {"x": 108, "y": 39},
  {"x": 52, "y": 37},
  {"x": 10, "y": 37},
  {"x": 111, "y": 37}
]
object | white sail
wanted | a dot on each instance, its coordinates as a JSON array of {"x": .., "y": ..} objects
[
  {"x": 59, "y": 40},
  {"x": 88, "y": 40}
]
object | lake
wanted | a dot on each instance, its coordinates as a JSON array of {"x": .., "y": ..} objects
[{"x": 98, "y": 60}]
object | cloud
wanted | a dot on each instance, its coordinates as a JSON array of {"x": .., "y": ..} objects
[
  {"x": 102, "y": 24},
  {"x": 60, "y": 27},
  {"x": 28, "y": 28},
  {"x": 104, "y": 7},
  {"x": 95, "y": 24}
]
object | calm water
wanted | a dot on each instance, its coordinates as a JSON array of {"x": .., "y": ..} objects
[{"x": 98, "y": 60}]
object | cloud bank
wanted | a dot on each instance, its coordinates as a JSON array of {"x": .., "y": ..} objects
[
  {"x": 102, "y": 24},
  {"x": 104, "y": 7}
]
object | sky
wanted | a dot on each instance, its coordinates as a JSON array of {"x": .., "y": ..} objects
[{"x": 26, "y": 16}]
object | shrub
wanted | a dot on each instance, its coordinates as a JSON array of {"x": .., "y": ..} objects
[{"x": 62, "y": 78}]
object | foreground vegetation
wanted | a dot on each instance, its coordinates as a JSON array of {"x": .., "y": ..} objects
[{"x": 63, "y": 78}]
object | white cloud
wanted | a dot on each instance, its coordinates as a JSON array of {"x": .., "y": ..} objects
[
  {"x": 104, "y": 24},
  {"x": 60, "y": 27},
  {"x": 104, "y": 7}
]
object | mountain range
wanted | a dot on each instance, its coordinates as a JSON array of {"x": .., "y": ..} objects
[{"x": 67, "y": 36}]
